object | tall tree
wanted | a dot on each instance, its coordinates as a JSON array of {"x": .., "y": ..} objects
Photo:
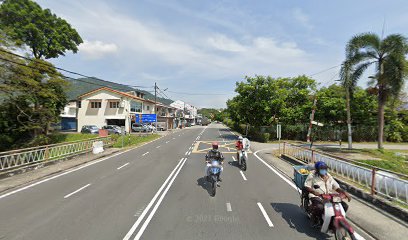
[
  {"x": 388, "y": 55},
  {"x": 47, "y": 35}
]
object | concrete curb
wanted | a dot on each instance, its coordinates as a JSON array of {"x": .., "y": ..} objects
[{"x": 380, "y": 203}]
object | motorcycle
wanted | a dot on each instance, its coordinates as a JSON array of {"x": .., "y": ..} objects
[
  {"x": 213, "y": 176},
  {"x": 334, "y": 216},
  {"x": 242, "y": 159}
]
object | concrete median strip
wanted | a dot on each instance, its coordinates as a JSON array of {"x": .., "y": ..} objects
[
  {"x": 76, "y": 191},
  {"x": 172, "y": 176}
]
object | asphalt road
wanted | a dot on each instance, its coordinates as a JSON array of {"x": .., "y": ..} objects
[{"x": 157, "y": 191}]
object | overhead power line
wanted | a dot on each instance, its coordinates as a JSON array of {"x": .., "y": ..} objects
[
  {"x": 200, "y": 94},
  {"x": 64, "y": 70},
  {"x": 325, "y": 70}
]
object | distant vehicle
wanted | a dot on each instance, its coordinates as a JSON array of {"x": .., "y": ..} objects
[
  {"x": 192, "y": 124},
  {"x": 205, "y": 121},
  {"x": 113, "y": 129},
  {"x": 93, "y": 129},
  {"x": 151, "y": 128},
  {"x": 161, "y": 126},
  {"x": 138, "y": 127}
]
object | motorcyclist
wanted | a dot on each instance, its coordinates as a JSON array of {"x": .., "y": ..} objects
[
  {"x": 242, "y": 143},
  {"x": 327, "y": 185},
  {"x": 214, "y": 154}
]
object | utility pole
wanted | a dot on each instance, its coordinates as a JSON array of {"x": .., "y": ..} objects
[
  {"x": 309, "y": 132},
  {"x": 155, "y": 103}
]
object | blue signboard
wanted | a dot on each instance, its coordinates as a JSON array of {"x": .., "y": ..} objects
[{"x": 145, "y": 118}]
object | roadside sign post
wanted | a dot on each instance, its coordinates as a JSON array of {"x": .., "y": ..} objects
[
  {"x": 123, "y": 135},
  {"x": 279, "y": 134}
]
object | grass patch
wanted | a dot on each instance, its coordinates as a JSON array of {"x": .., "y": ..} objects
[
  {"x": 70, "y": 137},
  {"x": 132, "y": 140},
  {"x": 389, "y": 160}
]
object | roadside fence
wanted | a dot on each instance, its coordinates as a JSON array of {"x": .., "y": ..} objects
[
  {"x": 386, "y": 183},
  {"x": 30, "y": 156}
]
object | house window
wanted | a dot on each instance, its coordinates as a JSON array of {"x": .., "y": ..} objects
[
  {"x": 79, "y": 104},
  {"x": 135, "y": 106},
  {"x": 114, "y": 104},
  {"x": 147, "y": 108},
  {"x": 96, "y": 104}
]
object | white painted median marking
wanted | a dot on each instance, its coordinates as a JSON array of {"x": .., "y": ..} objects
[
  {"x": 243, "y": 176},
  {"x": 174, "y": 138},
  {"x": 229, "y": 209},
  {"x": 139, "y": 220},
  {"x": 268, "y": 220},
  {"x": 186, "y": 153},
  {"x": 157, "y": 146},
  {"x": 122, "y": 166},
  {"x": 145, "y": 153},
  {"x": 189, "y": 153},
  {"x": 233, "y": 158},
  {"x": 167, "y": 141},
  {"x": 69, "y": 195},
  {"x": 142, "y": 229}
]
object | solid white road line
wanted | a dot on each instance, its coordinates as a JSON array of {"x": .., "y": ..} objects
[
  {"x": 268, "y": 220},
  {"x": 233, "y": 158},
  {"x": 186, "y": 153},
  {"x": 276, "y": 171},
  {"x": 122, "y": 166},
  {"x": 229, "y": 209},
  {"x": 189, "y": 153},
  {"x": 69, "y": 195},
  {"x": 243, "y": 176},
  {"x": 142, "y": 229},
  {"x": 157, "y": 146},
  {"x": 136, "y": 224},
  {"x": 145, "y": 153}
]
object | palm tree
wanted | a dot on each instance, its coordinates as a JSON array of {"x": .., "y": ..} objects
[
  {"x": 348, "y": 81},
  {"x": 388, "y": 55}
]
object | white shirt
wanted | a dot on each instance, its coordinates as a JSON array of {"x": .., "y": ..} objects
[{"x": 326, "y": 187}]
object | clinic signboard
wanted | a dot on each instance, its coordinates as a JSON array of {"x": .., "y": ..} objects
[{"x": 145, "y": 118}]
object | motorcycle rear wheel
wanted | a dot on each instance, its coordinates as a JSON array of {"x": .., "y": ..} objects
[
  {"x": 213, "y": 188},
  {"x": 343, "y": 234},
  {"x": 243, "y": 164}
]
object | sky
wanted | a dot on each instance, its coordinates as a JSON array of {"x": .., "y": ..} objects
[{"x": 201, "y": 47}]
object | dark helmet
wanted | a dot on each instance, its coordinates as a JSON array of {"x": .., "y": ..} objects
[
  {"x": 320, "y": 165},
  {"x": 215, "y": 145}
]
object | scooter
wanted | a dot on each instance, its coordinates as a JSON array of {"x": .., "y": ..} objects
[
  {"x": 242, "y": 159},
  {"x": 213, "y": 176},
  {"x": 334, "y": 216}
]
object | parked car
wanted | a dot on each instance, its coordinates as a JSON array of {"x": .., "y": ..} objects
[
  {"x": 113, "y": 129},
  {"x": 90, "y": 129},
  {"x": 161, "y": 126},
  {"x": 138, "y": 127}
]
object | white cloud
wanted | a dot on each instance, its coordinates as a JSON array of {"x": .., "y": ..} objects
[
  {"x": 97, "y": 49},
  {"x": 224, "y": 43},
  {"x": 302, "y": 18}
]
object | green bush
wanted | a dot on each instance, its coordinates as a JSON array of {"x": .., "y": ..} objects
[{"x": 265, "y": 137}]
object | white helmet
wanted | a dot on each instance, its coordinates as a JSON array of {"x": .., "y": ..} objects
[{"x": 240, "y": 138}]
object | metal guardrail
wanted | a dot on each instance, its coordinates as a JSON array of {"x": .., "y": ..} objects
[
  {"x": 385, "y": 183},
  {"x": 28, "y": 156}
]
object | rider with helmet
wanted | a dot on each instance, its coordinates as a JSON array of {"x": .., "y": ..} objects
[
  {"x": 214, "y": 154},
  {"x": 327, "y": 184},
  {"x": 242, "y": 143}
]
